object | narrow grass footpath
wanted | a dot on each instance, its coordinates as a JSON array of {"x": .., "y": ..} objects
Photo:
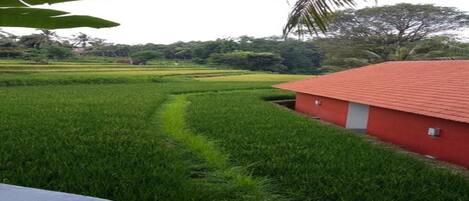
[{"x": 227, "y": 182}]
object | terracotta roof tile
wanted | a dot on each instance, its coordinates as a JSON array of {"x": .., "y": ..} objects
[{"x": 433, "y": 88}]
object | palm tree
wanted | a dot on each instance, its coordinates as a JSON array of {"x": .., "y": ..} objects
[
  {"x": 81, "y": 40},
  {"x": 4, "y": 34},
  {"x": 48, "y": 35},
  {"x": 313, "y": 16}
]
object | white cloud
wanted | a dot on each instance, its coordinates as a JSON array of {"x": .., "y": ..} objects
[{"x": 167, "y": 21}]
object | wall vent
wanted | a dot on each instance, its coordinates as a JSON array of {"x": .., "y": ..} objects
[
  {"x": 434, "y": 132},
  {"x": 317, "y": 102}
]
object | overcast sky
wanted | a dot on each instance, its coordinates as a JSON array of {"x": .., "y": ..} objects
[{"x": 168, "y": 21}]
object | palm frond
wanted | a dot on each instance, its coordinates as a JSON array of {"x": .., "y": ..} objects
[{"x": 313, "y": 15}]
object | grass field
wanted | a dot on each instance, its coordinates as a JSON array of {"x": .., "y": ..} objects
[
  {"x": 311, "y": 161},
  {"x": 184, "y": 132}
]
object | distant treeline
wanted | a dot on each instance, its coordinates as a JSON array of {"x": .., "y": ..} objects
[
  {"x": 270, "y": 54},
  {"x": 354, "y": 38},
  {"x": 274, "y": 54}
]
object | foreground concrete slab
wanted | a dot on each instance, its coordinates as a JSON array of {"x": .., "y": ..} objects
[{"x": 17, "y": 193}]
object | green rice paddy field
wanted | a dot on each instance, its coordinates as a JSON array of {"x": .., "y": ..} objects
[{"x": 190, "y": 133}]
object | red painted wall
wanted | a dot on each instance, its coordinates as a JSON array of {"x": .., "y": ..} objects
[
  {"x": 410, "y": 131},
  {"x": 330, "y": 110}
]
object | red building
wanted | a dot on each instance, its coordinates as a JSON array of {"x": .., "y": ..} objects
[{"x": 423, "y": 106}]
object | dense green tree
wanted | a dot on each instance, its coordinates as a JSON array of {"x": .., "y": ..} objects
[
  {"x": 38, "y": 40},
  {"x": 370, "y": 35},
  {"x": 35, "y": 41},
  {"x": 346, "y": 53},
  {"x": 438, "y": 47},
  {"x": 205, "y": 49},
  {"x": 265, "y": 61},
  {"x": 9, "y": 47},
  {"x": 397, "y": 24},
  {"x": 57, "y": 52},
  {"x": 37, "y": 56},
  {"x": 110, "y": 50},
  {"x": 179, "y": 50},
  {"x": 183, "y": 53},
  {"x": 141, "y": 58},
  {"x": 299, "y": 56}
]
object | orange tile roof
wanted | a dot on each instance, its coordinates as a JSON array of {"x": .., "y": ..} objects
[{"x": 433, "y": 88}]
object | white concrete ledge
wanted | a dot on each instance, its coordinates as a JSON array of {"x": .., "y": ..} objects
[{"x": 17, "y": 193}]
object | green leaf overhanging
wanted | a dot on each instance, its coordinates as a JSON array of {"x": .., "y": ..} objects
[
  {"x": 17, "y": 3},
  {"x": 38, "y": 2},
  {"x": 14, "y": 13}
]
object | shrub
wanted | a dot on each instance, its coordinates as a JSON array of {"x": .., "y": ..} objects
[
  {"x": 57, "y": 52},
  {"x": 249, "y": 60},
  {"x": 346, "y": 62},
  {"x": 7, "y": 52},
  {"x": 36, "y": 56},
  {"x": 141, "y": 58},
  {"x": 199, "y": 61}
]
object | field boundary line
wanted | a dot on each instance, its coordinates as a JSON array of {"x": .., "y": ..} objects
[
  {"x": 172, "y": 116},
  {"x": 202, "y": 92}
]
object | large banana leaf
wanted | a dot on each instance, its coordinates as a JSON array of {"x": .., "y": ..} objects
[
  {"x": 14, "y": 13},
  {"x": 47, "y": 19},
  {"x": 10, "y": 3},
  {"x": 17, "y": 3},
  {"x": 37, "y": 2}
]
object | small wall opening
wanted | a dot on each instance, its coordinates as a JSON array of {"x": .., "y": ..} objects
[{"x": 290, "y": 103}]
